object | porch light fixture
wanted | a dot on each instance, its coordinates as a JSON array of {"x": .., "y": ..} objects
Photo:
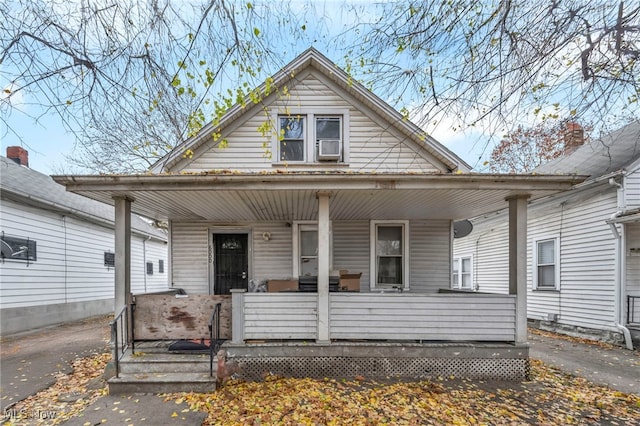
[{"x": 266, "y": 236}]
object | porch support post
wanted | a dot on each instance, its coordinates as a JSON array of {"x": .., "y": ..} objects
[
  {"x": 237, "y": 315},
  {"x": 518, "y": 261},
  {"x": 323, "y": 267},
  {"x": 123, "y": 256}
]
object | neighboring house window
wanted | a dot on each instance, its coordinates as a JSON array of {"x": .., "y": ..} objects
[
  {"x": 462, "y": 277},
  {"x": 389, "y": 252},
  {"x": 13, "y": 248},
  {"x": 149, "y": 268},
  {"x": 109, "y": 259},
  {"x": 312, "y": 137},
  {"x": 546, "y": 262},
  {"x": 161, "y": 266}
]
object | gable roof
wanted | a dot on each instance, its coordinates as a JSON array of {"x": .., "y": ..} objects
[
  {"x": 312, "y": 58},
  {"x": 611, "y": 153},
  {"x": 28, "y": 186}
]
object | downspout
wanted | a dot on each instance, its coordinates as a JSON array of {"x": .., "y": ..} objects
[
  {"x": 144, "y": 262},
  {"x": 619, "y": 281}
]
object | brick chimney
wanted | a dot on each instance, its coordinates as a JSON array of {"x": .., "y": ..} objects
[
  {"x": 19, "y": 155},
  {"x": 573, "y": 137}
]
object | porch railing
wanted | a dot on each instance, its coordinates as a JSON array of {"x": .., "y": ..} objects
[
  {"x": 633, "y": 309},
  {"x": 214, "y": 335},
  {"x": 120, "y": 336},
  {"x": 376, "y": 316}
]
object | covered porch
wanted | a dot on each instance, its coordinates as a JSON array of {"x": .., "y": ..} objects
[{"x": 422, "y": 330}]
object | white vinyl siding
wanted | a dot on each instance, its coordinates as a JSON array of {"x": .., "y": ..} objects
[
  {"x": 422, "y": 316},
  {"x": 371, "y": 146},
  {"x": 587, "y": 257},
  {"x": 70, "y": 264},
  {"x": 429, "y": 255},
  {"x": 633, "y": 267},
  {"x": 632, "y": 188},
  {"x": 351, "y": 249}
]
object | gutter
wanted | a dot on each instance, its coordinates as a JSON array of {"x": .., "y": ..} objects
[{"x": 619, "y": 279}]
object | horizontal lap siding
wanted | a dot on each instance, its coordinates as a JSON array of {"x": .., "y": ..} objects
[
  {"x": 189, "y": 252},
  {"x": 272, "y": 258},
  {"x": 587, "y": 263},
  {"x": 280, "y": 316},
  {"x": 422, "y": 317},
  {"x": 351, "y": 249},
  {"x": 372, "y": 146},
  {"x": 632, "y": 188},
  {"x": 633, "y": 259},
  {"x": 48, "y": 280},
  {"x": 488, "y": 245},
  {"x": 430, "y": 255}
]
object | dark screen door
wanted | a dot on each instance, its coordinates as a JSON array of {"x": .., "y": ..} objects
[{"x": 231, "y": 262}]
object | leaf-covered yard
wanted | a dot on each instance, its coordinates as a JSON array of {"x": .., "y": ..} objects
[{"x": 550, "y": 398}]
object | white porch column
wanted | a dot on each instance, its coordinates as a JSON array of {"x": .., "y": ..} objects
[
  {"x": 323, "y": 267},
  {"x": 237, "y": 315},
  {"x": 123, "y": 253},
  {"x": 518, "y": 261}
]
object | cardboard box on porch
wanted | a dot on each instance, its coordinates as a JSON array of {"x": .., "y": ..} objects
[
  {"x": 350, "y": 282},
  {"x": 274, "y": 286}
]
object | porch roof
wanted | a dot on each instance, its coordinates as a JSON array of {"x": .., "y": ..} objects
[{"x": 286, "y": 196}]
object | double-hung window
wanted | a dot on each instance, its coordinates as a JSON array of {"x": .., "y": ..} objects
[
  {"x": 308, "y": 137},
  {"x": 390, "y": 254},
  {"x": 462, "y": 277},
  {"x": 546, "y": 264},
  {"x": 292, "y": 138}
]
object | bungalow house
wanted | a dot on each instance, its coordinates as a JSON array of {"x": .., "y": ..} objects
[
  {"x": 323, "y": 224},
  {"x": 57, "y": 258},
  {"x": 583, "y": 246}
]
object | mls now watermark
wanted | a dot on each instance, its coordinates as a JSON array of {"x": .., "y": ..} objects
[{"x": 36, "y": 414}]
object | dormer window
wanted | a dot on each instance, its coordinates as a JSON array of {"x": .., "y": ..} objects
[{"x": 312, "y": 137}]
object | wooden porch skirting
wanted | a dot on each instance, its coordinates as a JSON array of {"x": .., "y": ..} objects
[{"x": 373, "y": 360}]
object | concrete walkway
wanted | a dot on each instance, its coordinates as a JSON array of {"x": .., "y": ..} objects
[
  {"x": 615, "y": 367},
  {"x": 31, "y": 361}
]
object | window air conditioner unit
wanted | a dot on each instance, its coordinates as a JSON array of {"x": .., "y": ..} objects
[{"x": 329, "y": 149}]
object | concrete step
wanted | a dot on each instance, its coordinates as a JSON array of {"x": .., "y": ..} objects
[
  {"x": 149, "y": 362},
  {"x": 161, "y": 383}
]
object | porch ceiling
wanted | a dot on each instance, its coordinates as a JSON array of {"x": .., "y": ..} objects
[{"x": 288, "y": 197}]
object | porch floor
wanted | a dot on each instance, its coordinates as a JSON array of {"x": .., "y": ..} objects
[{"x": 154, "y": 369}]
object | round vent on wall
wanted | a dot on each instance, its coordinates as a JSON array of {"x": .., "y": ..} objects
[{"x": 462, "y": 228}]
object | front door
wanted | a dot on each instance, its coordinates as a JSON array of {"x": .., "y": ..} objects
[{"x": 230, "y": 262}]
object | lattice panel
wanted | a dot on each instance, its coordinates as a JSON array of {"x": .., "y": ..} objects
[{"x": 415, "y": 368}]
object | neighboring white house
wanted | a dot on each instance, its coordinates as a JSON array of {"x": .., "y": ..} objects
[
  {"x": 583, "y": 248},
  {"x": 57, "y": 258},
  {"x": 319, "y": 176}
]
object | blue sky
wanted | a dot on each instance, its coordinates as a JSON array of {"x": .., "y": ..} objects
[{"x": 44, "y": 136}]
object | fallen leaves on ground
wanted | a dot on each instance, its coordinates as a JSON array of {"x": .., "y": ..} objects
[
  {"x": 574, "y": 339},
  {"x": 67, "y": 397},
  {"x": 550, "y": 398}
]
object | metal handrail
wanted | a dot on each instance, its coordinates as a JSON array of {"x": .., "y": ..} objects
[
  {"x": 631, "y": 309},
  {"x": 214, "y": 335},
  {"x": 120, "y": 321}
]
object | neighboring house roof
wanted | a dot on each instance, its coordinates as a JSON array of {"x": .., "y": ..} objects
[
  {"x": 31, "y": 187},
  {"x": 598, "y": 157},
  {"x": 312, "y": 58}
]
